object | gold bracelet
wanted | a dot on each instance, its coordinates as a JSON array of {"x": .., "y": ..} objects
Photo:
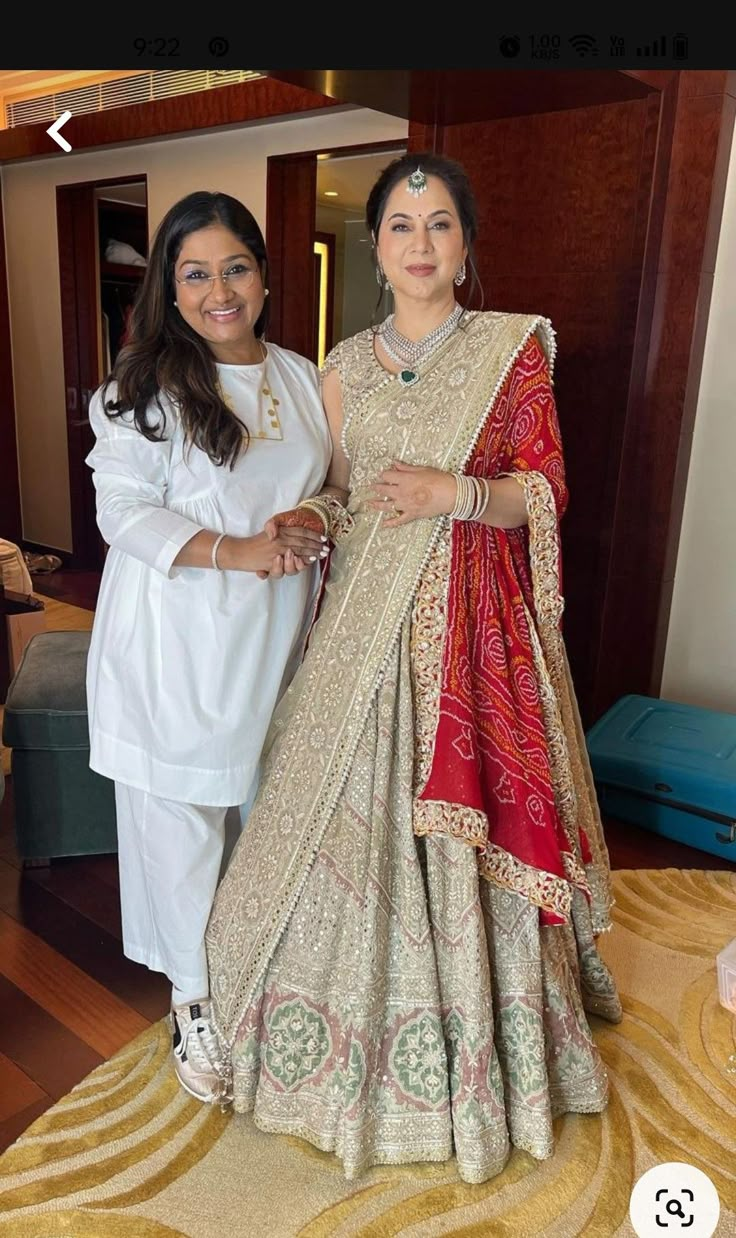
[{"x": 319, "y": 508}]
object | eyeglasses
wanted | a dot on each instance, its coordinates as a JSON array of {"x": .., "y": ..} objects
[{"x": 238, "y": 278}]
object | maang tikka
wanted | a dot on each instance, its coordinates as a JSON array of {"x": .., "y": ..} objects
[{"x": 416, "y": 183}]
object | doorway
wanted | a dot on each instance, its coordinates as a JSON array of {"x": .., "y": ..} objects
[
  {"x": 103, "y": 249},
  {"x": 343, "y": 185},
  {"x": 318, "y": 245}
]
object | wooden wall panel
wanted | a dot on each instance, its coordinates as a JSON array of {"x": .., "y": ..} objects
[
  {"x": 606, "y": 219},
  {"x": 661, "y": 413},
  {"x": 10, "y": 516},
  {"x": 560, "y": 204},
  {"x": 290, "y": 211}
]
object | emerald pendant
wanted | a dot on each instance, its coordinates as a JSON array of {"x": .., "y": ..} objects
[{"x": 407, "y": 378}]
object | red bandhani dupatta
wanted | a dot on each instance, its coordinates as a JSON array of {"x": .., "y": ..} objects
[{"x": 492, "y": 750}]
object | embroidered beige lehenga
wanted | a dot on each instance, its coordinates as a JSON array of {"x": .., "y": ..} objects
[{"x": 403, "y": 949}]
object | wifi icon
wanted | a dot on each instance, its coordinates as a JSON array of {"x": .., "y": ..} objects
[{"x": 584, "y": 44}]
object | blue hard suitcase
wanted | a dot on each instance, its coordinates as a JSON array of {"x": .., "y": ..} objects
[{"x": 670, "y": 768}]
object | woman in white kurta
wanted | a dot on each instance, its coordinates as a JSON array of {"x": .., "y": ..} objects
[{"x": 203, "y": 434}]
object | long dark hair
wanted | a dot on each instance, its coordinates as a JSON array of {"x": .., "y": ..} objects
[
  {"x": 456, "y": 180},
  {"x": 164, "y": 355}
]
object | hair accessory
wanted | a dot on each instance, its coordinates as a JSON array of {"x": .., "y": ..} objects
[{"x": 417, "y": 183}]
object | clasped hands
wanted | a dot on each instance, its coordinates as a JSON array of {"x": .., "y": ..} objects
[
  {"x": 290, "y": 543},
  {"x": 293, "y": 541}
]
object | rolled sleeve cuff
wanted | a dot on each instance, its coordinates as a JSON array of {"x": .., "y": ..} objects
[{"x": 157, "y": 538}]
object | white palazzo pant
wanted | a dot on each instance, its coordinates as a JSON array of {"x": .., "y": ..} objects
[{"x": 171, "y": 856}]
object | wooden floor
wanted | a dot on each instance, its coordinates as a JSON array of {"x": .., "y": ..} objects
[
  {"x": 68, "y": 996},
  {"x": 78, "y": 588}
]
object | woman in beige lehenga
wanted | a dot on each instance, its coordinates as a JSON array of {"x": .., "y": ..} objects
[{"x": 403, "y": 949}]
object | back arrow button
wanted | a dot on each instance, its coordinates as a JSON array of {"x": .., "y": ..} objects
[{"x": 53, "y": 131}]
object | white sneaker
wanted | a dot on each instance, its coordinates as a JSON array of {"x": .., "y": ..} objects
[{"x": 198, "y": 1059}]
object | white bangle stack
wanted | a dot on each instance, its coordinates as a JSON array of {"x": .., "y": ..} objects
[
  {"x": 473, "y": 497},
  {"x": 215, "y": 548}
]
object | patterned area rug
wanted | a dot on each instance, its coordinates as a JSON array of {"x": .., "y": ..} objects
[{"x": 128, "y": 1154}]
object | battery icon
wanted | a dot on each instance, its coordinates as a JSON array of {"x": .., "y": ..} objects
[{"x": 679, "y": 46}]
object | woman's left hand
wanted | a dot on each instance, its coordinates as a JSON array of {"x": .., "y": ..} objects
[{"x": 409, "y": 492}]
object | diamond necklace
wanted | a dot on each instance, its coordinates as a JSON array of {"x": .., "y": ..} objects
[{"x": 411, "y": 352}]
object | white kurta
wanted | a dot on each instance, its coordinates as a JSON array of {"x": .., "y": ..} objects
[{"x": 186, "y": 664}]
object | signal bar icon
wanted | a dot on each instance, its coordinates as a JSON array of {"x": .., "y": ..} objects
[{"x": 658, "y": 47}]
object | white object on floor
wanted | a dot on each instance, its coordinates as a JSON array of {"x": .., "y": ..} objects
[
  {"x": 41, "y": 564},
  {"x": 726, "y": 965}
]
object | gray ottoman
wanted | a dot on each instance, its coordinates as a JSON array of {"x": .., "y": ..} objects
[{"x": 61, "y": 806}]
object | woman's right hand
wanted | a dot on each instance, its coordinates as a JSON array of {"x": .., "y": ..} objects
[
  {"x": 260, "y": 554},
  {"x": 267, "y": 555}
]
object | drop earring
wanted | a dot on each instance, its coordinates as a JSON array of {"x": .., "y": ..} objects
[
  {"x": 381, "y": 277},
  {"x": 460, "y": 276}
]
